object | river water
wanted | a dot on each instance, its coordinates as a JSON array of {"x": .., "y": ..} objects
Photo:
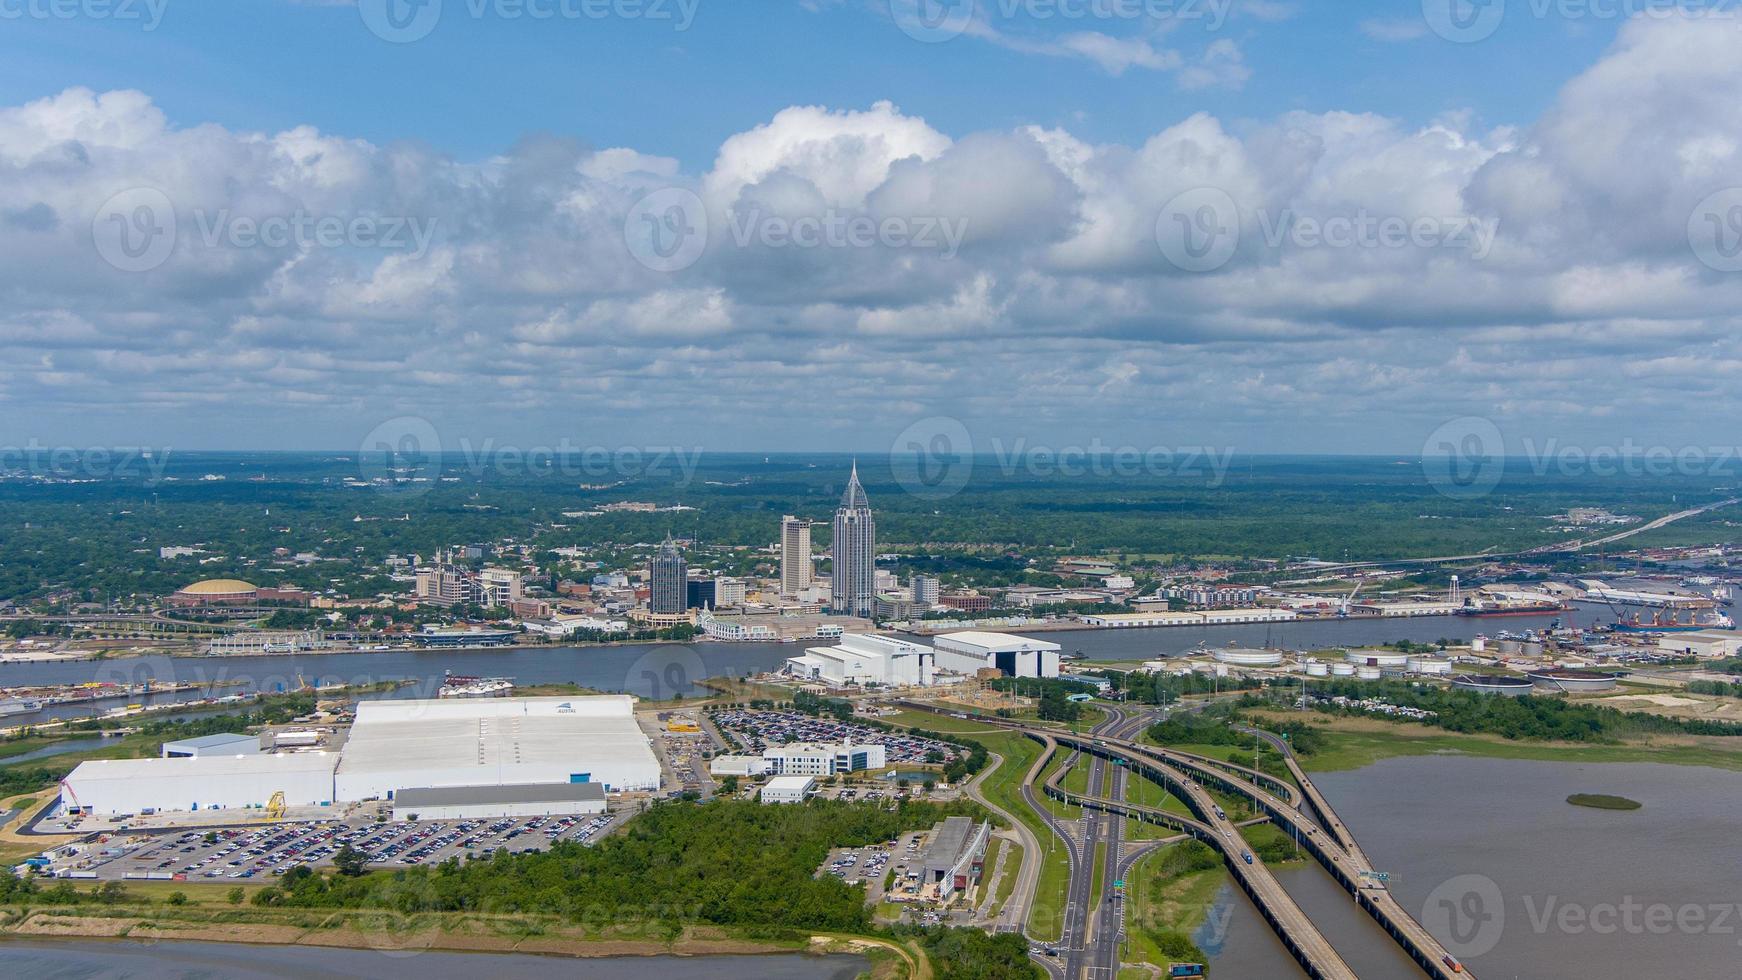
[
  {"x": 1519, "y": 883},
  {"x": 79, "y": 959},
  {"x": 1489, "y": 856},
  {"x": 663, "y": 670}
]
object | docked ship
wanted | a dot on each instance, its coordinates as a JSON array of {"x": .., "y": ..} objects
[
  {"x": 19, "y": 706},
  {"x": 461, "y": 686},
  {"x": 1661, "y": 622},
  {"x": 1509, "y": 607}
]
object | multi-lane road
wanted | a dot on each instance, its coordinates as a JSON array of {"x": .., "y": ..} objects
[{"x": 1093, "y": 928}]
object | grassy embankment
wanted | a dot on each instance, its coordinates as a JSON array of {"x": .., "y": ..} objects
[
  {"x": 1352, "y": 743},
  {"x": 1164, "y": 902},
  {"x": 1004, "y": 788}
]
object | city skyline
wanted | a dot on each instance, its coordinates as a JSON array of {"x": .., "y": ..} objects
[{"x": 853, "y": 552}]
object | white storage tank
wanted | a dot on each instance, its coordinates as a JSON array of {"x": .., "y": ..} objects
[
  {"x": 1377, "y": 658},
  {"x": 1430, "y": 665},
  {"x": 1367, "y": 673},
  {"x": 1241, "y": 657},
  {"x": 1343, "y": 670},
  {"x": 1316, "y": 669}
]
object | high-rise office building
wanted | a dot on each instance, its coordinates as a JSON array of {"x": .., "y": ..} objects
[
  {"x": 795, "y": 555},
  {"x": 925, "y": 590},
  {"x": 854, "y": 552},
  {"x": 668, "y": 586}
]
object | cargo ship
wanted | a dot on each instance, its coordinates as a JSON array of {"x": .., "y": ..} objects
[
  {"x": 1510, "y": 607},
  {"x": 1669, "y": 623},
  {"x": 461, "y": 686}
]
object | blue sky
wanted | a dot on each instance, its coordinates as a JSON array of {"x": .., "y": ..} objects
[
  {"x": 475, "y": 86},
  {"x": 1275, "y": 227}
]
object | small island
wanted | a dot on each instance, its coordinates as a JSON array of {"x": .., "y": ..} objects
[{"x": 1600, "y": 801}]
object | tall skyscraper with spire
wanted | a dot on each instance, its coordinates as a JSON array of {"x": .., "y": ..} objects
[
  {"x": 854, "y": 552},
  {"x": 668, "y": 585}
]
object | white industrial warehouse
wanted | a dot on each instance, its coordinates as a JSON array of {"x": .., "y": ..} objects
[
  {"x": 1014, "y": 656},
  {"x": 205, "y": 782},
  {"x": 398, "y": 745},
  {"x": 865, "y": 658},
  {"x": 469, "y": 747}
]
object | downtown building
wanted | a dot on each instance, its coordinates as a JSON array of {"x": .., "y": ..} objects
[
  {"x": 795, "y": 555},
  {"x": 668, "y": 581},
  {"x": 854, "y": 553}
]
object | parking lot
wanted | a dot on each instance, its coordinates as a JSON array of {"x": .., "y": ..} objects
[
  {"x": 268, "y": 851},
  {"x": 862, "y": 865},
  {"x": 871, "y": 866},
  {"x": 757, "y": 730}
]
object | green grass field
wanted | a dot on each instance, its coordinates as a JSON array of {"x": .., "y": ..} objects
[
  {"x": 1355, "y": 749},
  {"x": 1097, "y": 883},
  {"x": 1007, "y": 885},
  {"x": 1154, "y": 903},
  {"x": 1004, "y": 788}
]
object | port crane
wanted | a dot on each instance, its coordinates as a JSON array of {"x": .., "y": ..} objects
[{"x": 1343, "y": 610}]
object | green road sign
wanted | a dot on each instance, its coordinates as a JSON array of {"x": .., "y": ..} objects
[{"x": 1119, "y": 884}]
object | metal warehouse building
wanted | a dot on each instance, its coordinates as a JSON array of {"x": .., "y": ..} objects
[
  {"x": 1014, "y": 656},
  {"x": 466, "y": 802},
  {"x": 397, "y": 745},
  {"x": 222, "y": 744},
  {"x": 207, "y": 782}
]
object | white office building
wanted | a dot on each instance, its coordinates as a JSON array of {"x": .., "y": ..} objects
[
  {"x": 738, "y": 765},
  {"x": 789, "y": 789},
  {"x": 864, "y": 658},
  {"x": 1014, "y": 656},
  {"x": 822, "y": 758}
]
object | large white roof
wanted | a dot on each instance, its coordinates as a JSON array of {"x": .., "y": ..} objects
[
  {"x": 998, "y": 642},
  {"x": 212, "y": 766},
  {"x": 493, "y": 736}
]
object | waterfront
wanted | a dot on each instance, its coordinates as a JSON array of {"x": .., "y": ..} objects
[
  {"x": 665, "y": 670},
  {"x": 76, "y": 959},
  {"x": 1488, "y": 852}
]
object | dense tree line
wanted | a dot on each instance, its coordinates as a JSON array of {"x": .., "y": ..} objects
[
  {"x": 100, "y": 538},
  {"x": 725, "y": 862},
  {"x": 1144, "y": 687},
  {"x": 1526, "y": 718},
  {"x": 973, "y": 954}
]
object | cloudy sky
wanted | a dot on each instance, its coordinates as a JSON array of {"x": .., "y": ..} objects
[{"x": 847, "y": 224}]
